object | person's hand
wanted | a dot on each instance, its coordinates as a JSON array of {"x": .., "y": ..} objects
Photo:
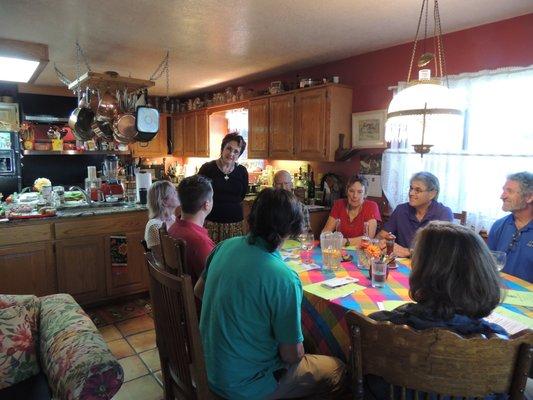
[
  {"x": 382, "y": 244},
  {"x": 400, "y": 251}
]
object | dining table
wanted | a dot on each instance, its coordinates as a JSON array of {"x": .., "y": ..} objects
[{"x": 323, "y": 308}]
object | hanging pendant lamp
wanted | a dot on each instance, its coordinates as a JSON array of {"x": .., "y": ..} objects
[{"x": 426, "y": 109}]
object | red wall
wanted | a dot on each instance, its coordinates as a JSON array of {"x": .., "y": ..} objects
[{"x": 499, "y": 44}]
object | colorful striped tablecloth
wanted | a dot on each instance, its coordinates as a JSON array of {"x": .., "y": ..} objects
[{"x": 323, "y": 320}]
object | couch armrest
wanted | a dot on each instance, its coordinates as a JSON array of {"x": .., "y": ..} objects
[{"x": 74, "y": 355}]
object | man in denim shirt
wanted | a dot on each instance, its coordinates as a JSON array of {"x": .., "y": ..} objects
[{"x": 513, "y": 234}]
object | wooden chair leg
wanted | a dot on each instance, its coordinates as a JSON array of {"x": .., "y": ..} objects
[{"x": 167, "y": 380}]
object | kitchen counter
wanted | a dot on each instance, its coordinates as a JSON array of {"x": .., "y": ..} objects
[{"x": 81, "y": 211}]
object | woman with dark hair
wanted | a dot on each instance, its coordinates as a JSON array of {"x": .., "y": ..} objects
[
  {"x": 230, "y": 184},
  {"x": 454, "y": 282},
  {"x": 353, "y": 211},
  {"x": 251, "y": 312}
]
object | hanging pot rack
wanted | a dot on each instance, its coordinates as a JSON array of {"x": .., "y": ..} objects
[{"x": 109, "y": 80}]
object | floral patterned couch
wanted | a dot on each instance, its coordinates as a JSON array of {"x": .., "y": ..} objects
[{"x": 72, "y": 354}]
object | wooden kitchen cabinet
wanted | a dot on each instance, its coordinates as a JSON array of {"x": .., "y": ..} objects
[
  {"x": 196, "y": 134},
  {"x": 177, "y": 135},
  {"x": 281, "y": 123},
  {"x": 134, "y": 277},
  {"x": 202, "y": 134},
  {"x": 157, "y": 147},
  {"x": 310, "y": 125},
  {"x": 28, "y": 269},
  {"x": 81, "y": 267},
  {"x": 258, "y": 128}
]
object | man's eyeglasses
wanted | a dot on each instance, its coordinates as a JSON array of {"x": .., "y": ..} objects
[
  {"x": 417, "y": 190},
  {"x": 514, "y": 241}
]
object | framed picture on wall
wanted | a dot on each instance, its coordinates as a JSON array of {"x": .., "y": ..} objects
[{"x": 368, "y": 129}]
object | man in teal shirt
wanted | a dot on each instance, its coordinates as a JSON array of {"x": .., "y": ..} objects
[{"x": 251, "y": 313}]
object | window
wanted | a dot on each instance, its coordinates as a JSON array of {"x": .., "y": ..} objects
[{"x": 495, "y": 140}]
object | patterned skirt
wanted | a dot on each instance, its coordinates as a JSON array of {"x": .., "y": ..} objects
[{"x": 219, "y": 231}]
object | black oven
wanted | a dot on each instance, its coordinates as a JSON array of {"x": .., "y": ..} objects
[{"x": 10, "y": 167}]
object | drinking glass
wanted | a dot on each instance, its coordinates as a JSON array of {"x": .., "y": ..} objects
[
  {"x": 379, "y": 273},
  {"x": 307, "y": 242},
  {"x": 331, "y": 245},
  {"x": 499, "y": 258}
]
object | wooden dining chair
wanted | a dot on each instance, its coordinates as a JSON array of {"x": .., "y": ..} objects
[
  {"x": 173, "y": 253},
  {"x": 461, "y": 217},
  {"x": 177, "y": 335},
  {"x": 437, "y": 361}
]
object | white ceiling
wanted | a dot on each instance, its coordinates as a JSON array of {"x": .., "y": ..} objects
[{"x": 214, "y": 41}]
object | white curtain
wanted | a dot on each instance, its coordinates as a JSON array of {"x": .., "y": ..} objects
[{"x": 495, "y": 140}]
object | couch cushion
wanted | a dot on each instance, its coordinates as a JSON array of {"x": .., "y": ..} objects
[
  {"x": 18, "y": 358},
  {"x": 34, "y": 388},
  {"x": 31, "y": 303}
]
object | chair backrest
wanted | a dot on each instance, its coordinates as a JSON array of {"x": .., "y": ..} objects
[
  {"x": 173, "y": 252},
  {"x": 461, "y": 217},
  {"x": 177, "y": 334},
  {"x": 145, "y": 246},
  {"x": 438, "y": 360}
]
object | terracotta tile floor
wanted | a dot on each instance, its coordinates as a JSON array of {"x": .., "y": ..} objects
[{"x": 128, "y": 330}]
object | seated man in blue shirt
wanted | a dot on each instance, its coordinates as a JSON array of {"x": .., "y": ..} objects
[
  {"x": 251, "y": 313},
  {"x": 513, "y": 233},
  {"x": 422, "y": 207}
]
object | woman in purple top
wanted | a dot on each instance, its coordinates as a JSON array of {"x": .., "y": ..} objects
[{"x": 422, "y": 207}]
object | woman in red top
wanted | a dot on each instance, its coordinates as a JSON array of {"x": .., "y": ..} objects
[{"x": 353, "y": 212}]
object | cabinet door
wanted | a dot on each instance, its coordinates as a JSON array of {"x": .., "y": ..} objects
[
  {"x": 281, "y": 127},
  {"x": 157, "y": 147},
  {"x": 177, "y": 135},
  {"x": 81, "y": 268},
  {"x": 189, "y": 135},
  {"x": 258, "y": 120},
  {"x": 28, "y": 269},
  {"x": 202, "y": 134},
  {"x": 129, "y": 278},
  {"x": 310, "y": 125}
]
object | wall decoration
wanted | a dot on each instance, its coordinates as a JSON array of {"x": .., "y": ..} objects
[{"x": 368, "y": 129}]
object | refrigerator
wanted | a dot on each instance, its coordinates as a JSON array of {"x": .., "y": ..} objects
[{"x": 10, "y": 165}]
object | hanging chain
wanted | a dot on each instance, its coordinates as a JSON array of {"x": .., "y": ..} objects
[
  {"x": 81, "y": 56},
  {"x": 416, "y": 41},
  {"x": 61, "y": 76},
  {"x": 442, "y": 58},
  {"x": 160, "y": 70}
]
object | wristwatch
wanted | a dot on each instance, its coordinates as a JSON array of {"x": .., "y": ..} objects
[{"x": 347, "y": 242}]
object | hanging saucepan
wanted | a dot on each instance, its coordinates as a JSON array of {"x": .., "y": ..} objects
[
  {"x": 147, "y": 123},
  {"x": 107, "y": 107},
  {"x": 102, "y": 129},
  {"x": 80, "y": 121},
  {"x": 124, "y": 125}
]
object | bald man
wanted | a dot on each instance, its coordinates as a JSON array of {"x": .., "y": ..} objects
[{"x": 283, "y": 180}]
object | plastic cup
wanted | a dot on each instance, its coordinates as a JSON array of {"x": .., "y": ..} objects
[{"x": 379, "y": 273}]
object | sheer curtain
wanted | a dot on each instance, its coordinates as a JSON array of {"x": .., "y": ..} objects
[{"x": 472, "y": 161}]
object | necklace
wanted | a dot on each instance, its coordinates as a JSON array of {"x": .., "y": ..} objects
[{"x": 221, "y": 168}]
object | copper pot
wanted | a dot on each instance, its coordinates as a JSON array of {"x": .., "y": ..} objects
[{"x": 108, "y": 107}]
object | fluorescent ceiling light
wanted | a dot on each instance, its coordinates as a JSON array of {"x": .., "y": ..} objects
[
  {"x": 16, "y": 70},
  {"x": 21, "y": 61}
]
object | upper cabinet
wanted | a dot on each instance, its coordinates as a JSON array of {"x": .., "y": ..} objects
[
  {"x": 193, "y": 127},
  {"x": 157, "y": 147},
  {"x": 300, "y": 125},
  {"x": 281, "y": 127},
  {"x": 310, "y": 141},
  {"x": 258, "y": 124},
  {"x": 305, "y": 125}
]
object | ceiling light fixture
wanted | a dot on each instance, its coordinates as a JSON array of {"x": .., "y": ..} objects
[
  {"x": 21, "y": 61},
  {"x": 426, "y": 107}
]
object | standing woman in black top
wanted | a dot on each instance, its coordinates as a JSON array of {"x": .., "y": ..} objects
[{"x": 230, "y": 184}]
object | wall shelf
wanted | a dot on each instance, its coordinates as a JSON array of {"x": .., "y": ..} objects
[{"x": 72, "y": 152}]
